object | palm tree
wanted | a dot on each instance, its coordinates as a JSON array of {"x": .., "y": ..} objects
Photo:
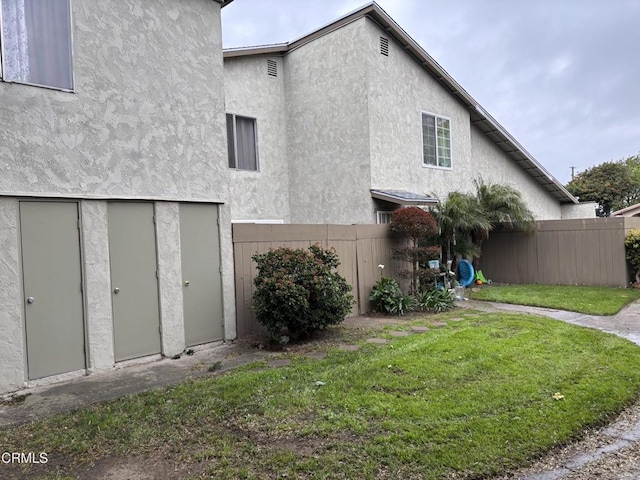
[
  {"x": 466, "y": 219},
  {"x": 501, "y": 205},
  {"x": 459, "y": 217}
]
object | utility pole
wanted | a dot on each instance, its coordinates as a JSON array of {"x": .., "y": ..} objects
[{"x": 572, "y": 172}]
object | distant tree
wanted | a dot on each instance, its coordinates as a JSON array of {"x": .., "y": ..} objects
[
  {"x": 633, "y": 166},
  {"x": 612, "y": 185}
]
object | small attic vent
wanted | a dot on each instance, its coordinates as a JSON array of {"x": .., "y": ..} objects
[
  {"x": 384, "y": 46},
  {"x": 272, "y": 68}
]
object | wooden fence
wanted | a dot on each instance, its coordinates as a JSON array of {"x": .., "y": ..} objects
[
  {"x": 361, "y": 249},
  {"x": 561, "y": 252},
  {"x": 558, "y": 252}
]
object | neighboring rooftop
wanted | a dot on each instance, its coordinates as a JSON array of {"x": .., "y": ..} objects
[
  {"x": 479, "y": 116},
  {"x": 630, "y": 211}
]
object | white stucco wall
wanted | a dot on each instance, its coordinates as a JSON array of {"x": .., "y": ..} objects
[
  {"x": 250, "y": 92},
  {"x": 170, "y": 277},
  {"x": 581, "y": 210},
  {"x": 12, "y": 347},
  {"x": 97, "y": 285},
  {"x": 328, "y": 129},
  {"x": 147, "y": 115},
  {"x": 400, "y": 89},
  {"x": 228, "y": 275}
]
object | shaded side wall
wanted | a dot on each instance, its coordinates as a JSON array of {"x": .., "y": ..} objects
[
  {"x": 494, "y": 166},
  {"x": 561, "y": 252},
  {"x": 361, "y": 248}
]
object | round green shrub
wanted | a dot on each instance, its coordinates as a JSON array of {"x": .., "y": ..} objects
[{"x": 298, "y": 290}]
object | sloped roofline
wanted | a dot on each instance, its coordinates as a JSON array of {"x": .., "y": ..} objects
[
  {"x": 479, "y": 116},
  {"x": 223, "y": 3}
]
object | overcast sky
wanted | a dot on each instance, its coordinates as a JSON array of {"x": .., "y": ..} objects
[{"x": 562, "y": 76}]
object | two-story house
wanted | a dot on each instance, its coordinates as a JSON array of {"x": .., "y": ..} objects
[{"x": 355, "y": 119}]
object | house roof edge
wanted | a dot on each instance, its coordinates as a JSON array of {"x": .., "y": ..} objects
[{"x": 223, "y": 3}]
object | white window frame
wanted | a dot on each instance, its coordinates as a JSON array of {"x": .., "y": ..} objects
[
  {"x": 436, "y": 117},
  {"x": 235, "y": 143},
  {"x": 71, "y": 57},
  {"x": 382, "y": 214}
]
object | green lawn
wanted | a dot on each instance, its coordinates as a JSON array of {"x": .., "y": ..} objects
[
  {"x": 590, "y": 300},
  {"x": 472, "y": 399}
]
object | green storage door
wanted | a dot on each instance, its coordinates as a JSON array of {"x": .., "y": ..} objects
[
  {"x": 134, "y": 283},
  {"x": 54, "y": 321},
  {"x": 201, "y": 277}
]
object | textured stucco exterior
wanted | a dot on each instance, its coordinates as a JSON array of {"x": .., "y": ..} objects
[
  {"x": 581, "y": 210},
  {"x": 228, "y": 278},
  {"x": 146, "y": 118},
  {"x": 146, "y": 122},
  {"x": 97, "y": 285},
  {"x": 400, "y": 90},
  {"x": 169, "y": 277},
  {"x": 250, "y": 92},
  {"x": 328, "y": 129},
  {"x": 494, "y": 166},
  {"x": 12, "y": 356}
]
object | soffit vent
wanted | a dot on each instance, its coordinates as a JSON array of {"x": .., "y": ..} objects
[
  {"x": 272, "y": 68},
  {"x": 384, "y": 46}
]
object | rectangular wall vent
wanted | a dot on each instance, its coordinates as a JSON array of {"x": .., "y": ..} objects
[
  {"x": 272, "y": 68},
  {"x": 384, "y": 46}
]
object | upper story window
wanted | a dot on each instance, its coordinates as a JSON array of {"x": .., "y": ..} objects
[
  {"x": 436, "y": 141},
  {"x": 36, "y": 43},
  {"x": 242, "y": 139}
]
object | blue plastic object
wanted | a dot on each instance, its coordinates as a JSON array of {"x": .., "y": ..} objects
[{"x": 466, "y": 274}]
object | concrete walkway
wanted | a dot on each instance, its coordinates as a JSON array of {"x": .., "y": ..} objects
[
  {"x": 625, "y": 324},
  {"x": 39, "y": 402}
]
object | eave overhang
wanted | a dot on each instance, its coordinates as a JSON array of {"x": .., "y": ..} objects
[{"x": 402, "y": 197}]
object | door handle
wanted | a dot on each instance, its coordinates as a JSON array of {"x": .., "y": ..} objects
[
  {"x": 186, "y": 283},
  {"x": 31, "y": 300},
  {"x": 116, "y": 290}
]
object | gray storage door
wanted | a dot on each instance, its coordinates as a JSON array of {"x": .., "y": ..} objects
[
  {"x": 134, "y": 283},
  {"x": 52, "y": 278},
  {"x": 201, "y": 277}
]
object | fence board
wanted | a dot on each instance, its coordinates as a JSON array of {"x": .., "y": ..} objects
[
  {"x": 361, "y": 249},
  {"x": 562, "y": 252},
  {"x": 573, "y": 252}
]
